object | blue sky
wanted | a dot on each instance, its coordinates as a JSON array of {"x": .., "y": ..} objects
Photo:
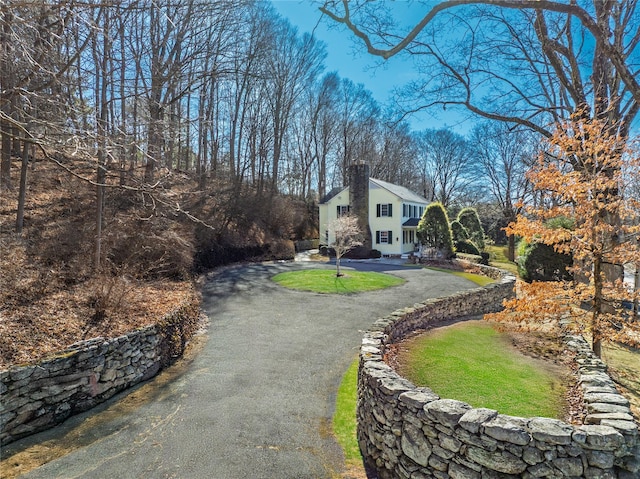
[{"x": 350, "y": 59}]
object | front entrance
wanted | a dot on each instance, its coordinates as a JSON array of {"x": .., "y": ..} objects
[{"x": 409, "y": 240}]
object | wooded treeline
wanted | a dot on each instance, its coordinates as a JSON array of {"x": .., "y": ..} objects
[
  {"x": 219, "y": 89},
  {"x": 225, "y": 89}
]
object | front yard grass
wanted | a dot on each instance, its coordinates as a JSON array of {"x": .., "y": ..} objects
[
  {"x": 478, "y": 279},
  {"x": 344, "y": 419},
  {"x": 502, "y": 370},
  {"x": 498, "y": 259},
  {"x": 325, "y": 281},
  {"x": 474, "y": 363}
]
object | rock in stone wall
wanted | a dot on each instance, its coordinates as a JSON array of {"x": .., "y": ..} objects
[
  {"x": 37, "y": 397},
  {"x": 410, "y": 432}
]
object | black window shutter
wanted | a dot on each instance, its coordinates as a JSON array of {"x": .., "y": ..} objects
[
  {"x": 338, "y": 210},
  {"x": 378, "y": 236},
  {"x": 390, "y": 233},
  {"x": 390, "y": 209},
  {"x": 378, "y": 210}
]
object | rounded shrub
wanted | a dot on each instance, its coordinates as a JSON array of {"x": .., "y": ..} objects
[
  {"x": 468, "y": 217},
  {"x": 434, "y": 230},
  {"x": 466, "y": 246},
  {"x": 459, "y": 232},
  {"x": 541, "y": 262}
]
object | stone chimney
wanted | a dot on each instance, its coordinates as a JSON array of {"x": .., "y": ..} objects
[{"x": 359, "y": 203}]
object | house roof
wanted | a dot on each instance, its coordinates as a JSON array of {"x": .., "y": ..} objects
[
  {"x": 332, "y": 193},
  {"x": 411, "y": 222},
  {"x": 400, "y": 191}
]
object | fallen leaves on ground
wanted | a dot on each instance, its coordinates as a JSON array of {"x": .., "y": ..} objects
[{"x": 31, "y": 332}]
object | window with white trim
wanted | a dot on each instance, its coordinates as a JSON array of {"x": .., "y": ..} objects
[
  {"x": 384, "y": 237},
  {"x": 342, "y": 210},
  {"x": 384, "y": 209}
]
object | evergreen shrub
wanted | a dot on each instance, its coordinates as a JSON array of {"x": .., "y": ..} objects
[
  {"x": 540, "y": 262},
  {"x": 468, "y": 217},
  {"x": 434, "y": 230},
  {"x": 466, "y": 246}
]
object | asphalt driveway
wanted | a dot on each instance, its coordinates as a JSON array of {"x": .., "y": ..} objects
[{"x": 257, "y": 399}]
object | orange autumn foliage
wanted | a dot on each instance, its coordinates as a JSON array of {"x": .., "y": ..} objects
[{"x": 586, "y": 174}]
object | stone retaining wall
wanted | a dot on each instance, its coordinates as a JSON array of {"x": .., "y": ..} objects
[
  {"x": 37, "y": 397},
  {"x": 410, "y": 432}
]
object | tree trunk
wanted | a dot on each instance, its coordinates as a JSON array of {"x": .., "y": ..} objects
[
  {"x": 5, "y": 168},
  {"x": 101, "y": 132},
  {"x": 636, "y": 287},
  {"x": 596, "y": 333},
  {"x": 154, "y": 137},
  {"x": 22, "y": 194},
  {"x": 97, "y": 253},
  {"x": 6, "y": 86},
  {"x": 511, "y": 249}
]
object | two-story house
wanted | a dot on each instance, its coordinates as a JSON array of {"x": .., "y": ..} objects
[{"x": 394, "y": 212}]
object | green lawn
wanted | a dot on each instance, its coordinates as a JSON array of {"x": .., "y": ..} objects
[
  {"x": 474, "y": 363},
  {"x": 344, "y": 419},
  {"x": 326, "y": 281},
  {"x": 498, "y": 258},
  {"x": 479, "y": 279}
]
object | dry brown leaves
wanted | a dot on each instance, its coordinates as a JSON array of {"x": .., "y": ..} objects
[
  {"x": 48, "y": 295},
  {"x": 34, "y": 331}
]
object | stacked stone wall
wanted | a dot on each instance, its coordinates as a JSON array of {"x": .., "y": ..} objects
[
  {"x": 409, "y": 432},
  {"x": 37, "y": 397}
]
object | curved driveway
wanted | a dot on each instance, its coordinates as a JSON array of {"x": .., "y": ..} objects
[{"x": 257, "y": 400}]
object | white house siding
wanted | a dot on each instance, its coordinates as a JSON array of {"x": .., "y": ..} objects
[{"x": 381, "y": 224}]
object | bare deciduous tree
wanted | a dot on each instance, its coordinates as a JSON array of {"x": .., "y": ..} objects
[
  {"x": 446, "y": 163},
  {"x": 398, "y": 153},
  {"x": 526, "y": 62},
  {"x": 505, "y": 155},
  {"x": 358, "y": 115}
]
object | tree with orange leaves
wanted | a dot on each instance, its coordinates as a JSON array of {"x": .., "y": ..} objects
[{"x": 583, "y": 174}]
